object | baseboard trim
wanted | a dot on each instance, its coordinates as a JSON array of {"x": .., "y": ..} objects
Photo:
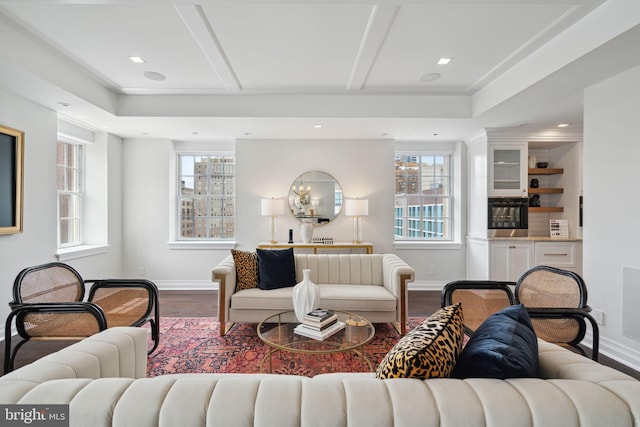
[
  {"x": 620, "y": 353},
  {"x": 186, "y": 285},
  {"x": 426, "y": 286}
]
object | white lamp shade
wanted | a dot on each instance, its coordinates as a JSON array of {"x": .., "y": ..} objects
[
  {"x": 272, "y": 206},
  {"x": 356, "y": 207}
]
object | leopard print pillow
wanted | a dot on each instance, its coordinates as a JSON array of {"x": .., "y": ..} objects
[
  {"x": 246, "y": 269},
  {"x": 430, "y": 350}
]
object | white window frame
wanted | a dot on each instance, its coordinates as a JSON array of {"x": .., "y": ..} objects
[
  {"x": 93, "y": 231},
  {"x": 179, "y": 242},
  {"x": 454, "y": 150},
  {"x": 80, "y": 193}
]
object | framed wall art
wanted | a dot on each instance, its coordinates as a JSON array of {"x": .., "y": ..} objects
[{"x": 11, "y": 177}]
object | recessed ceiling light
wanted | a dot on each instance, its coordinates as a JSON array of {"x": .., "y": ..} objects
[
  {"x": 152, "y": 75},
  {"x": 64, "y": 104},
  {"x": 317, "y": 126},
  {"x": 247, "y": 133},
  {"x": 444, "y": 61},
  {"x": 430, "y": 77},
  {"x": 435, "y": 134},
  {"x": 136, "y": 59},
  {"x": 195, "y": 133},
  {"x": 563, "y": 125}
]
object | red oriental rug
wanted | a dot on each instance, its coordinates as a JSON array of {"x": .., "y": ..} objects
[{"x": 194, "y": 344}]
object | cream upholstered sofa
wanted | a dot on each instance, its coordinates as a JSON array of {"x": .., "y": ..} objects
[
  {"x": 371, "y": 285},
  {"x": 102, "y": 379}
]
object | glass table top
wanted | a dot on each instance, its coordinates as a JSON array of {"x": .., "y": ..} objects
[{"x": 278, "y": 331}]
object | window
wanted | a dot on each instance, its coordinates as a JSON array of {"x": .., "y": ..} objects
[
  {"x": 82, "y": 159},
  {"x": 206, "y": 197},
  {"x": 70, "y": 161},
  {"x": 423, "y": 202}
]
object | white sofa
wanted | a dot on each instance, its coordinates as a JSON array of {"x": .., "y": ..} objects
[
  {"x": 102, "y": 379},
  {"x": 371, "y": 285}
]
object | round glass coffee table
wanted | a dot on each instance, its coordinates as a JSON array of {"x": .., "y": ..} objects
[{"x": 277, "y": 332}]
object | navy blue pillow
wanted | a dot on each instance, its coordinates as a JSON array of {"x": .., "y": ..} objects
[
  {"x": 503, "y": 346},
  {"x": 276, "y": 268}
]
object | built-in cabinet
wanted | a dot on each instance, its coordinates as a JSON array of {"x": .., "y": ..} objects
[
  {"x": 498, "y": 166},
  {"x": 508, "y": 260},
  {"x": 508, "y": 170},
  {"x": 565, "y": 255}
]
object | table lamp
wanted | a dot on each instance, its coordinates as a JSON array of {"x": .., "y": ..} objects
[
  {"x": 357, "y": 208},
  {"x": 272, "y": 208}
]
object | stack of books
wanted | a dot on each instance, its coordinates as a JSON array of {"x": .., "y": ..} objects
[{"x": 319, "y": 324}]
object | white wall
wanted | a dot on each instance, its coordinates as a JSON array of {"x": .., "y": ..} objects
[
  {"x": 149, "y": 212},
  {"x": 108, "y": 211},
  {"x": 265, "y": 168},
  {"x": 37, "y": 243},
  {"x": 268, "y": 168},
  {"x": 611, "y": 205}
]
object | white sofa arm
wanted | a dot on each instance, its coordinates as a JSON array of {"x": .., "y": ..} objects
[
  {"x": 394, "y": 271},
  {"x": 396, "y": 274},
  {"x": 118, "y": 352},
  {"x": 225, "y": 274}
]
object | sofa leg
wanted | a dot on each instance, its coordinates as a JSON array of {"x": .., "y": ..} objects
[
  {"x": 401, "y": 327},
  {"x": 404, "y": 278},
  {"x": 224, "y": 328}
]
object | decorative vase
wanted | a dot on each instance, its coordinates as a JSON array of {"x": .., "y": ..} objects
[
  {"x": 306, "y": 230},
  {"x": 306, "y": 296}
]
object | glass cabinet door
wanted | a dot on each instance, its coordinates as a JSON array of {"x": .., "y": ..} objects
[{"x": 507, "y": 171}]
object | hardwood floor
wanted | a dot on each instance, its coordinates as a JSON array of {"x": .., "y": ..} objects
[{"x": 205, "y": 304}]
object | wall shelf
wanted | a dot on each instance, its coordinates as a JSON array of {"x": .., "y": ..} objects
[
  {"x": 546, "y": 209},
  {"x": 545, "y": 171},
  {"x": 546, "y": 190}
]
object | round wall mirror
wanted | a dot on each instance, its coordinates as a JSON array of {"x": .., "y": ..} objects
[{"x": 316, "y": 197}]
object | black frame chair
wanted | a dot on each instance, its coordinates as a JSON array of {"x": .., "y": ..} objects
[
  {"x": 551, "y": 316},
  {"x": 48, "y": 303}
]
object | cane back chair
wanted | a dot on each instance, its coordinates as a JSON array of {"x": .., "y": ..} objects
[
  {"x": 557, "y": 304},
  {"x": 479, "y": 299},
  {"x": 48, "y": 303}
]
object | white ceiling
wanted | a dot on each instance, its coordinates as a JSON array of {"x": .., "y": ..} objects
[{"x": 273, "y": 69}]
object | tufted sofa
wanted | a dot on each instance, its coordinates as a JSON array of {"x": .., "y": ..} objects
[
  {"x": 371, "y": 285},
  {"x": 102, "y": 379}
]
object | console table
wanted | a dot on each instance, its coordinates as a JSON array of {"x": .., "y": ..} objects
[{"x": 367, "y": 246}]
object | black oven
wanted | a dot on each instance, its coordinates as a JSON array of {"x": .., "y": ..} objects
[{"x": 508, "y": 217}]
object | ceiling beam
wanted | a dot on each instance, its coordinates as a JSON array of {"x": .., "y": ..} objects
[
  {"x": 380, "y": 21},
  {"x": 580, "y": 43},
  {"x": 334, "y": 106},
  {"x": 200, "y": 28}
]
